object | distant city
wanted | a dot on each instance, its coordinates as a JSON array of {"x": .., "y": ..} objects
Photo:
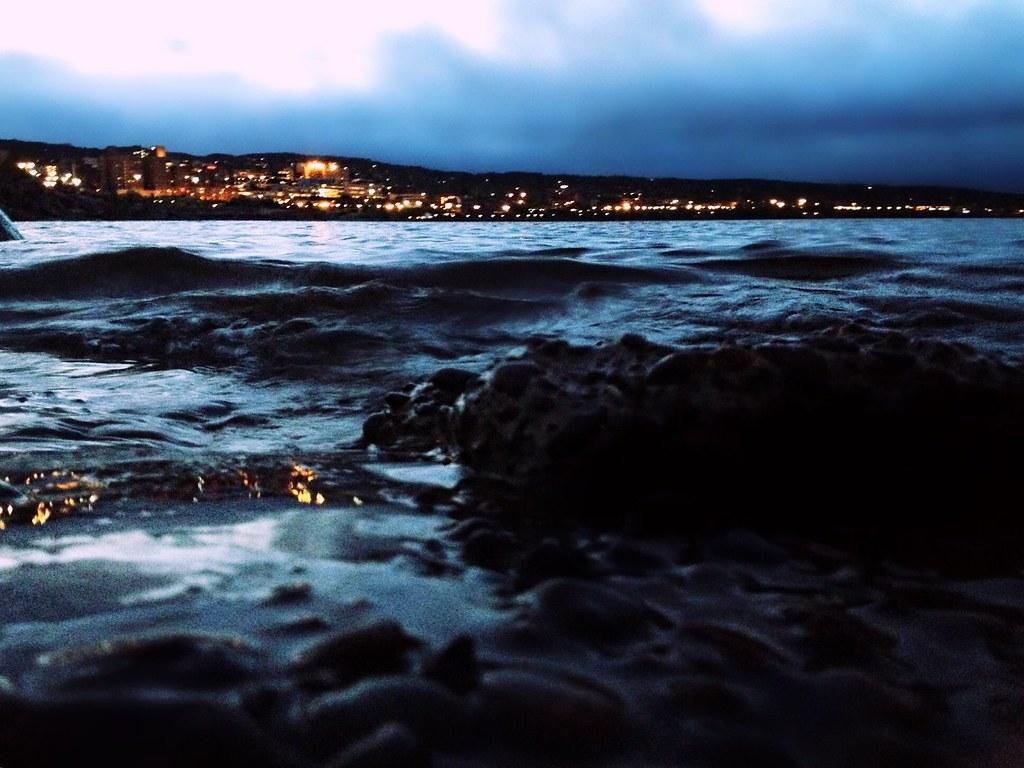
[{"x": 39, "y": 181}]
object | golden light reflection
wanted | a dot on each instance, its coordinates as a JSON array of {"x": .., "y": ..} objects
[
  {"x": 50, "y": 494},
  {"x": 42, "y": 497},
  {"x": 299, "y": 486}
]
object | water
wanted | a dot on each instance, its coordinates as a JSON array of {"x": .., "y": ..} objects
[
  {"x": 207, "y": 343},
  {"x": 181, "y": 405}
]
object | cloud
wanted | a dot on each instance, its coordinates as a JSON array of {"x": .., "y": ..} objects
[{"x": 871, "y": 91}]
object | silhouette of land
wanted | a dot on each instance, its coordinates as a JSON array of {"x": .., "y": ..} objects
[{"x": 40, "y": 181}]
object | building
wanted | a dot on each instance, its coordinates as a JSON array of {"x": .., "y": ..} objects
[{"x": 122, "y": 171}]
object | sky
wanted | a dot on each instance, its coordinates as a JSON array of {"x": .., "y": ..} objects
[{"x": 874, "y": 91}]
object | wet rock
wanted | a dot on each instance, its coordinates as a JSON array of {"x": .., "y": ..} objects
[
  {"x": 592, "y": 611},
  {"x": 621, "y": 433},
  {"x": 380, "y": 648},
  {"x": 126, "y": 732},
  {"x": 490, "y": 549},
  {"x": 738, "y": 752},
  {"x": 533, "y": 712},
  {"x": 435, "y": 715},
  {"x": 738, "y": 648},
  {"x": 454, "y": 381},
  {"x": 174, "y": 661},
  {"x": 634, "y": 559},
  {"x": 550, "y": 559},
  {"x": 393, "y": 745},
  {"x": 396, "y": 401},
  {"x": 709, "y": 697},
  {"x": 454, "y": 666},
  {"x": 835, "y": 638},
  {"x": 289, "y": 594},
  {"x": 379, "y": 429},
  {"x": 301, "y": 625},
  {"x": 748, "y": 547},
  {"x": 513, "y": 378}
]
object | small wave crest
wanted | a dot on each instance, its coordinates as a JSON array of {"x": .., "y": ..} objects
[
  {"x": 782, "y": 264},
  {"x": 130, "y": 272}
]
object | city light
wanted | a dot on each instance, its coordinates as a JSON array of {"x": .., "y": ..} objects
[{"x": 327, "y": 187}]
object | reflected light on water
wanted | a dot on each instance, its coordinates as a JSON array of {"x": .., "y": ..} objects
[
  {"x": 45, "y": 496},
  {"x": 300, "y": 483}
]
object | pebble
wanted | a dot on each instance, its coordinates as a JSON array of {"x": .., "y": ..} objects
[
  {"x": 393, "y": 745},
  {"x": 289, "y": 594},
  {"x": 433, "y": 713},
  {"x": 549, "y": 560},
  {"x": 490, "y": 549},
  {"x": 534, "y": 712},
  {"x": 379, "y": 648},
  {"x": 130, "y": 731},
  {"x": 593, "y": 611},
  {"x": 455, "y": 665},
  {"x": 175, "y": 661}
]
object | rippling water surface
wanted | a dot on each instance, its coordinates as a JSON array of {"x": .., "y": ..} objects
[{"x": 145, "y": 347}]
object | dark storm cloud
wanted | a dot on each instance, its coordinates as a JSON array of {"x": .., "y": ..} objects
[{"x": 884, "y": 97}]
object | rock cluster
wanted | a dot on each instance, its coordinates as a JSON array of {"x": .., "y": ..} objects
[{"x": 854, "y": 421}]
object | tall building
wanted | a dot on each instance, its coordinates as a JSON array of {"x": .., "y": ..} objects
[
  {"x": 156, "y": 173},
  {"x": 121, "y": 170}
]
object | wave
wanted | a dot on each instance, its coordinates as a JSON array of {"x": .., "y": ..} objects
[
  {"x": 783, "y": 264},
  {"x": 130, "y": 272},
  {"x": 141, "y": 272}
]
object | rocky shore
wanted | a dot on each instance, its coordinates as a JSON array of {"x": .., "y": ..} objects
[{"x": 789, "y": 555}]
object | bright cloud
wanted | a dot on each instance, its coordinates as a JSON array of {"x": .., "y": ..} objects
[{"x": 915, "y": 90}]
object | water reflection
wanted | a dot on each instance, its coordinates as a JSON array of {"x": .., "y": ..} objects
[{"x": 41, "y": 497}]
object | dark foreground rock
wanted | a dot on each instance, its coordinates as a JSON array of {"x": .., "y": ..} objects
[{"x": 849, "y": 427}]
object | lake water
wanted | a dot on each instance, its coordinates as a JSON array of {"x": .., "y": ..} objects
[
  {"x": 216, "y": 340},
  {"x": 186, "y": 509}
]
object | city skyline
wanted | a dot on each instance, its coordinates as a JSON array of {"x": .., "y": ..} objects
[{"x": 919, "y": 92}]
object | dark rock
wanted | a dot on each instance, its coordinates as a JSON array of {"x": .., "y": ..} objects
[
  {"x": 550, "y": 560},
  {"x": 709, "y": 697},
  {"x": 739, "y": 752},
  {"x": 126, "y": 732},
  {"x": 455, "y": 665},
  {"x": 737, "y": 648},
  {"x": 289, "y": 594},
  {"x": 301, "y": 625},
  {"x": 592, "y": 611},
  {"x": 379, "y": 429},
  {"x": 631, "y": 558},
  {"x": 513, "y": 378},
  {"x": 532, "y": 712},
  {"x": 396, "y": 401},
  {"x": 747, "y": 547},
  {"x": 430, "y": 711},
  {"x": 393, "y": 745},
  {"x": 454, "y": 381},
  {"x": 490, "y": 549},
  {"x": 173, "y": 661},
  {"x": 380, "y": 648}
]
